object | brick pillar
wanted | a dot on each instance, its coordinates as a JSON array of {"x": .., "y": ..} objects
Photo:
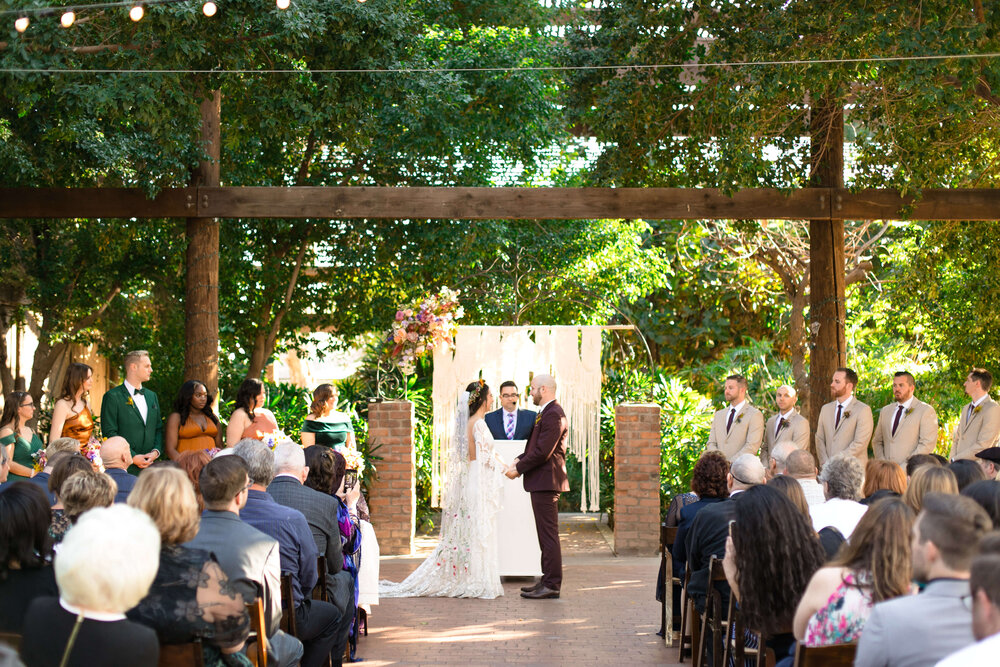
[
  {"x": 393, "y": 497},
  {"x": 637, "y": 479}
]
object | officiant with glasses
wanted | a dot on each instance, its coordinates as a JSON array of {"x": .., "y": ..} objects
[{"x": 509, "y": 423}]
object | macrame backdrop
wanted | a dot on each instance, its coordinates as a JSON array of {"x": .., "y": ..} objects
[{"x": 571, "y": 354}]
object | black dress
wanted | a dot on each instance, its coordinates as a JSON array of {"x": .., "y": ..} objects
[
  {"x": 18, "y": 590},
  {"x": 98, "y": 643}
]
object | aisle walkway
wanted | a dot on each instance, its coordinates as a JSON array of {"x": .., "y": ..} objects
[{"x": 607, "y": 615}]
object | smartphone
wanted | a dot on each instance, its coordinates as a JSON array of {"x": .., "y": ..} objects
[
  {"x": 731, "y": 522},
  {"x": 350, "y": 479}
]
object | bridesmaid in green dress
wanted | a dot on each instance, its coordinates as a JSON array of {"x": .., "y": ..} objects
[
  {"x": 324, "y": 425},
  {"x": 17, "y": 437}
]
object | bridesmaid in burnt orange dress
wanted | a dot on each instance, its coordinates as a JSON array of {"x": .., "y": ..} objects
[
  {"x": 71, "y": 416},
  {"x": 192, "y": 426},
  {"x": 250, "y": 419}
]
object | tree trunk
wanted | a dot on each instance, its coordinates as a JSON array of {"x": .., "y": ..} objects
[
  {"x": 201, "y": 321},
  {"x": 827, "y": 307}
]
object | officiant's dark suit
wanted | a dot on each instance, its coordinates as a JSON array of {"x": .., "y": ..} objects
[
  {"x": 543, "y": 466},
  {"x": 524, "y": 423}
]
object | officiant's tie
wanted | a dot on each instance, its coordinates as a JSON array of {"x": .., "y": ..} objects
[{"x": 509, "y": 426}]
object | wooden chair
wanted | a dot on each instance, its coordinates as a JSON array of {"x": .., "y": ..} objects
[
  {"x": 687, "y": 641},
  {"x": 12, "y": 639},
  {"x": 668, "y": 535},
  {"x": 258, "y": 633},
  {"x": 712, "y": 621},
  {"x": 182, "y": 655},
  {"x": 288, "y": 606},
  {"x": 735, "y": 644},
  {"x": 839, "y": 655}
]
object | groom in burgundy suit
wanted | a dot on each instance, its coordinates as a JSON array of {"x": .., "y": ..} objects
[{"x": 543, "y": 465}]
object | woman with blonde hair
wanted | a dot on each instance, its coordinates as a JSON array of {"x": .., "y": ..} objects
[
  {"x": 187, "y": 578},
  {"x": 928, "y": 479},
  {"x": 324, "y": 425},
  {"x": 71, "y": 416}
]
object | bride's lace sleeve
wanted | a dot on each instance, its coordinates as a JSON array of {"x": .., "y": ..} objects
[{"x": 485, "y": 451}]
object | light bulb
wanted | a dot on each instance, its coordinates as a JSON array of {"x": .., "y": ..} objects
[
  {"x": 136, "y": 13},
  {"x": 67, "y": 19},
  {"x": 209, "y": 8},
  {"x": 21, "y": 24},
  {"x": 283, "y": 4}
]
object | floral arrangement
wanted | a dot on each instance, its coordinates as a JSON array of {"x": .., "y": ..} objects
[
  {"x": 40, "y": 462},
  {"x": 272, "y": 440},
  {"x": 420, "y": 329},
  {"x": 92, "y": 451},
  {"x": 355, "y": 460}
]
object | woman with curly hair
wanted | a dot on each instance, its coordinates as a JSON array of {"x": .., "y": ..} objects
[
  {"x": 708, "y": 480},
  {"x": 771, "y": 553},
  {"x": 874, "y": 566}
]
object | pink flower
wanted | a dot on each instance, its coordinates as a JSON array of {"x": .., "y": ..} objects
[
  {"x": 400, "y": 316},
  {"x": 413, "y": 336},
  {"x": 399, "y": 336}
]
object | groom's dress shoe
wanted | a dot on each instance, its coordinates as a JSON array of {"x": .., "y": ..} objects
[
  {"x": 542, "y": 593},
  {"x": 531, "y": 589}
]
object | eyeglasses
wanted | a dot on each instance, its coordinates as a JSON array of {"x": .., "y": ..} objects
[
  {"x": 27, "y": 405},
  {"x": 514, "y": 396},
  {"x": 247, "y": 487}
]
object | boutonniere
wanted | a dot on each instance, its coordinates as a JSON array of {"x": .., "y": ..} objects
[
  {"x": 847, "y": 414},
  {"x": 538, "y": 418},
  {"x": 907, "y": 411},
  {"x": 739, "y": 418},
  {"x": 976, "y": 409},
  {"x": 129, "y": 399},
  {"x": 782, "y": 424}
]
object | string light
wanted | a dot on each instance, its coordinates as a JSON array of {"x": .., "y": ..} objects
[
  {"x": 21, "y": 24},
  {"x": 67, "y": 19},
  {"x": 209, "y": 8},
  {"x": 283, "y": 4},
  {"x": 136, "y": 13}
]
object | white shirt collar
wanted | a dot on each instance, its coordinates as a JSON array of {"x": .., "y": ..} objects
[
  {"x": 981, "y": 399},
  {"x": 738, "y": 406},
  {"x": 846, "y": 401},
  {"x": 131, "y": 389},
  {"x": 92, "y": 615},
  {"x": 542, "y": 406},
  {"x": 288, "y": 474},
  {"x": 787, "y": 415},
  {"x": 509, "y": 412},
  {"x": 906, "y": 404}
]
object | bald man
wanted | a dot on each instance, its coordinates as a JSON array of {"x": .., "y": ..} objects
[
  {"x": 787, "y": 425},
  {"x": 117, "y": 458}
]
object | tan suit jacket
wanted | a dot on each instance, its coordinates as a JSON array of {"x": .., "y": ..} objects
[
  {"x": 916, "y": 434},
  {"x": 795, "y": 432},
  {"x": 850, "y": 437},
  {"x": 977, "y": 432},
  {"x": 744, "y": 435}
]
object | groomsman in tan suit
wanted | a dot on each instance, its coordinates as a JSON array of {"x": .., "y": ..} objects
[
  {"x": 906, "y": 427},
  {"x": 785, "y": 426},
  {"x": 979, "y": 424},
  {"x": 738, "y": 428},
  {"x": 845, "y": 423}
]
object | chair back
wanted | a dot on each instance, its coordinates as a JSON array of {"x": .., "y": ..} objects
[
  {"x": 11, "y": 639},
  {"x": 182, "y": 655},
  {"x": 838, "y": 655},
  {"x": 668, "y": 535},
  {"x": 288, "y": 606},
  {"x": 258, "y": 633},
  {"x": 320, "y": 591}
]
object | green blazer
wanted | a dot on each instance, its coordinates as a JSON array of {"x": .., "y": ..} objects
[{"x": 120, "y": 416}]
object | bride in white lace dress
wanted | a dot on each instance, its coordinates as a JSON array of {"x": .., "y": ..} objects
[{"x": 464, "y": 564}]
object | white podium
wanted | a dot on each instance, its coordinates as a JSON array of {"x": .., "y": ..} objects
[{"x": 517, "y": 542}]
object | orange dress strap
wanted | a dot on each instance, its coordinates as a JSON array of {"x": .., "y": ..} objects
[
  {"x": 79, "y": 427},
  {"x": 191, "y": 437}
]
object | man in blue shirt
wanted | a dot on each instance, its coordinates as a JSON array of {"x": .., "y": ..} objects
[{"x": 316, "y": 621}]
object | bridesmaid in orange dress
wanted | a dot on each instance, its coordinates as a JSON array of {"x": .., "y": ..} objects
[
  {"x": 250, "y": 419},
  {"x": 192, "y": 426},
  {"x": 71, "y": 416}
]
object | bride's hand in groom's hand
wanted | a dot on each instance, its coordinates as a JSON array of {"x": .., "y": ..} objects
[{"x": 512, "y": 473}]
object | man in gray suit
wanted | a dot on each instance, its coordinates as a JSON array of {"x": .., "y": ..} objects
[
  {"x": 786, "y": 426},
  {"x": 919, "y": 630},
  {"x": 739, "y": 427},
  {"x": 907, "y": 426},
  {"x": 243, "y": 551},
  {"x": 845, "y": 423},
  {"x": 979, "y": 424},
  {"x": 288, "y": 489}
]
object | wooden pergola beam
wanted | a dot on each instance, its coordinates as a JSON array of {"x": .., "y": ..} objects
[{"x": 499, "y": 203}]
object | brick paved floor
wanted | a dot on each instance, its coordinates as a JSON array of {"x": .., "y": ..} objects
[{"x": 606, "y": 615}]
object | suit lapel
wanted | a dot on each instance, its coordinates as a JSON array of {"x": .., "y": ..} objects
[{"x": 131, "y": 403}]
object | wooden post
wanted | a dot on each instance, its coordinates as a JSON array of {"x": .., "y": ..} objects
[
  {"x": 827, "y": 307},
  {"x": 201, "y": 322}
]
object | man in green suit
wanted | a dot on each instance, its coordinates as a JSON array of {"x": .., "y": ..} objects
[{"x": 133, "y": 413}]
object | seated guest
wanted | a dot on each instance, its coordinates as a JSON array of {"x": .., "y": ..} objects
[
  {"x": 942, "y": 461},
  {"x": 918, "y": 460},
  {"x": 928, "y": 479},
  {"x": 989, "y": 460},
  {"x": 778, "y": 457},
  {"x": 768, "y": 582},
  {"x": 966, "y": 472},
  {"x": 86, "y": 490},
  {"x": 882, "y": 479},
  {"x": 829, "y": 537},
  {"x": 874, "y": 566},
  {"x": 841, "y": 478},
  {"x": 62, "y": 470},
  {"x": 243, "y": 551},
  {"x": 984, "y": 583},
  {"x": 117, "y": 458},
  {"x": 192, "y": 462},
  {"x": 193, "y": 425},
  {"x": 317, "y": 621},
  {"x": 710, "y": 481},
  {"x": 59, "y": 446},
  {"x": 25, "y": 552},
  {"x": 919, "y": 630},
  {"x": 327, "y": 427},
  {"x": 801, "y": 466},
  {"x": 707, "y": 535},
  {"x": 188, "y": 579},
  {"x": 250, "y": 419},
  {"x": 987, "y": 494},
  {"x": 105, "y": 566}
]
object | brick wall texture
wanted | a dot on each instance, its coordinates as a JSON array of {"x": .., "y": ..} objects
[
  {"x": 392, "y": 498},
  {"x": 637, "y": 479}
]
